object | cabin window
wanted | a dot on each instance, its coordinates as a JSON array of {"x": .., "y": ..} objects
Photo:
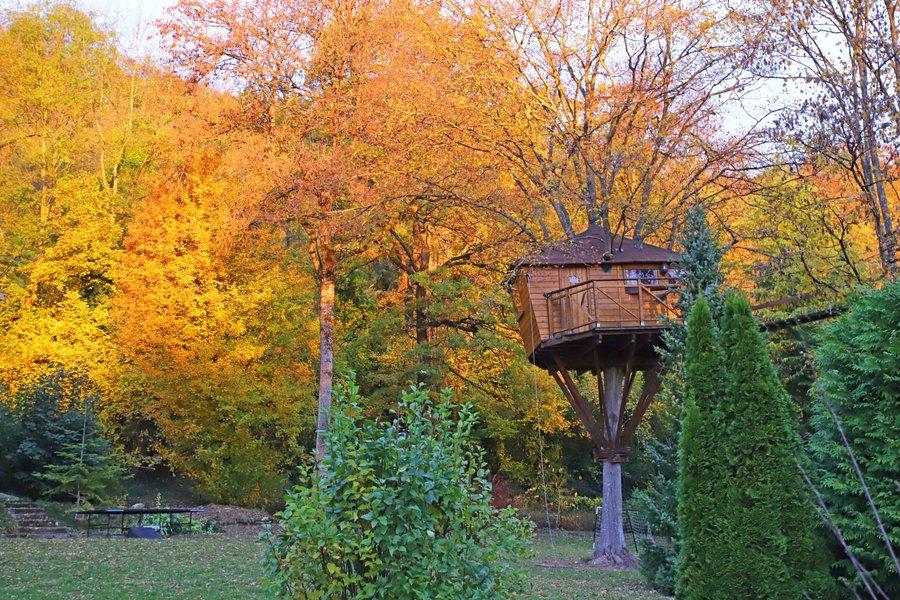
[
  {"x": 574, "y": 279},
  {"x": 645, "y": 276}
]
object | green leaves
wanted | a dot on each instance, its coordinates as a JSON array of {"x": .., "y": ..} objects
[{"x": 399, "y": 508}]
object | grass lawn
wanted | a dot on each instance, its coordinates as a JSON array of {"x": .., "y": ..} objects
[{"x": 215, "y": 566}]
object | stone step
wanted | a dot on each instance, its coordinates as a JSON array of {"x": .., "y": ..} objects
[
  {"x": 32, "y": 521},
  {"x": 26, "y": 512},
  {"x": 37, "y": 523},
  {"x": 43, "y": 529}
]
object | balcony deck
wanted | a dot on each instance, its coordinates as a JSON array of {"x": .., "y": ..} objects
[{"x": 607, "y": 322}]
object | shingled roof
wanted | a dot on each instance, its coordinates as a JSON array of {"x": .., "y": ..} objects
[{"x": 590, "y": 246}]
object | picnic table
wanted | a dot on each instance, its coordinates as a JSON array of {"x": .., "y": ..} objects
[{"x": 133, "y": 517}]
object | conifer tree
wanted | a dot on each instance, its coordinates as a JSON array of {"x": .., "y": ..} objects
[
  {"x": 702, "y": 465},
  {"x": 701, "y": 255},
  {"x": 770, "y": 528},
  {"x": 859, "y": 400}
]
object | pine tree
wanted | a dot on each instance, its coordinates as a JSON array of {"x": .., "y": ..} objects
[
  {"x": 701, "y": 255},
  {"x": 702, "y": 466},
  {"x": 769, "y": 526},
  {"x": 85, "y": 469}
]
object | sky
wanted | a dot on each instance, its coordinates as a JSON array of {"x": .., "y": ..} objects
[{"x": 132, "y": 20}]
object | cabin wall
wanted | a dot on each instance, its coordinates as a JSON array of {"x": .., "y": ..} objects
[
  {"x": 525, "y": 315},
  {"x": 533, "y": 282}
]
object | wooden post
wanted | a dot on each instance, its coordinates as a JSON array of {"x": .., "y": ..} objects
[
  {"x": 610, "y": 546},
  {"x": 640, "y": 303}
]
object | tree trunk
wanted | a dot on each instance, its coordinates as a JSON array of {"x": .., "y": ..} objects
[
  {"x": 326, "y": 333},
  {"x": 610, "y": 548},
  {"x": 421, "y": 264}
]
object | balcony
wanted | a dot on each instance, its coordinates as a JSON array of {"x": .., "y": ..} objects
[{"x": 613, "y": 304}]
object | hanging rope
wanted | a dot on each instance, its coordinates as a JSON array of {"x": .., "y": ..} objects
[{"x": 540, "y": 432}]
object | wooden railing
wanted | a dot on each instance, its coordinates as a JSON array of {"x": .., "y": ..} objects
[{"x": 612, "y": 304}]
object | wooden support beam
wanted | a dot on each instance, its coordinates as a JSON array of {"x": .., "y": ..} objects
[
  {"x": 580, "y": 404},
  {"x": 652, "y": 383},
  {"x": 628, "y": 379},
  {"x": 600, "y": 395}
]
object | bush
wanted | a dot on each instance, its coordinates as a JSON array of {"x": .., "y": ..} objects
[{"x": 397, "y": 509}]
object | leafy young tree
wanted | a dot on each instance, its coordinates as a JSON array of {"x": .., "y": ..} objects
[
  {"x": 397, "y": 509},
  {"x": 858, "y": 394},
  {"x": 769, "y": 528}
]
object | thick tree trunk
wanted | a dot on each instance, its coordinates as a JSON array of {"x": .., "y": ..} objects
[
  {"x": 610, "y": 548},
  {"x": 326, "y": 333}
]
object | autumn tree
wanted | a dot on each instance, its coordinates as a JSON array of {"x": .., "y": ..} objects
[
  {"x": 77, "y": 136},
  {"x": 803, "y": 238},
  {"x": 848, "y": 117},
  {"x": 612, "y": 111},
  {"x": 298, "y": 65},
  {"x": 57, "y": 236},
  {"x": 214, "y": 344}
]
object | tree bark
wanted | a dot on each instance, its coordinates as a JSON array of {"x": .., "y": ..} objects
[
  {"x": 610, "y": 546},
  {"x": 326, "y": 333}
]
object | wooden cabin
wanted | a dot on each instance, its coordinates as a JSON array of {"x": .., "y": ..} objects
[{"x": 593, "y": 299}]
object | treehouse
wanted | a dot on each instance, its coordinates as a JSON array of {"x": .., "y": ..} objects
[
  {"x": 594, "y": 299},
  {"x": 598, "y": 303}
]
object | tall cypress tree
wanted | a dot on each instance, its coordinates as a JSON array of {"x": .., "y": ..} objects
[
  {"x": 770, "y": 526},
  {"x": 701, "y": 463}
]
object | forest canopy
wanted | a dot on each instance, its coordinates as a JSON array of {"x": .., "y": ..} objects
[{"x": 297, "y": 188}]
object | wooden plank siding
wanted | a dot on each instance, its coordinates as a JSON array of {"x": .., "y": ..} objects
[{"x": 528, "y": 324}]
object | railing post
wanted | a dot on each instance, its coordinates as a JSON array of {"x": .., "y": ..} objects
[{"x": 640, "y": 302}]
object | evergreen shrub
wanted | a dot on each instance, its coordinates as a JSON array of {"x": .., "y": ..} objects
[{"x": 859, "y": 379}]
